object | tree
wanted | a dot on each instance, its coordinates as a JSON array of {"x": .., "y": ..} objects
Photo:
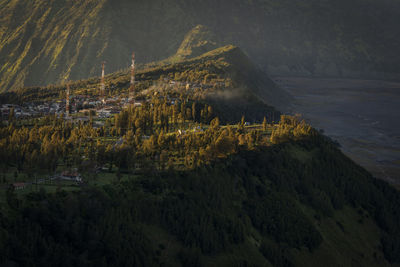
[
  {"x": 194, "y": 113},
  {"x": 170, "y": 164},
  {"x": 224, "y": 145},
  {"x": 188, "y": 113},
  {"x": 161, "y": 140},
  {"x": 163, "y": 159},
  {"x": 214, "y": 123},
  {"x": 264, "y": 124},
  {"x": 11, "y": 116},
  {"x": 209, "y": 112},
  {"x": 242, "y": 140},
  {"x": 183, "y": 111}
]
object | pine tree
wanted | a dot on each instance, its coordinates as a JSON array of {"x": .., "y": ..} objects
[
  {"x": 214, "y": 123},
  {"x": 194, "y": 113},
  {"x": 11, "y": 116},
  {"x": 264, "y": 124}
]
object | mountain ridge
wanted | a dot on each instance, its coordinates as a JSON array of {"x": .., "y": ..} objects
[
  {"x": 225, "y": 78},
  {"x": 65, "y": 39},
  {"x": 198, "y": 41}
]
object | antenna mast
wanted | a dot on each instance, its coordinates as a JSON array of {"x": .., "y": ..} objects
[
  {"x": 102, "y": 86},
  {"x": 132, "y": 88},
  {"x": 67, "y": 100}
]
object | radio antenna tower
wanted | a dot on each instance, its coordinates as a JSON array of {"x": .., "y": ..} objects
[
  {"x": 102, "y": 86},
  {"x": 67, "y": 100},
  {"x": 132, "y": 88}
]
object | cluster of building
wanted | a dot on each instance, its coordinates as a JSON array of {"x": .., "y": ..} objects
[
  {"x": 31, "y": 109},
  {"x": 80, "y": 107},
  {"x": 95, "y": 106},
  {"x": 7, "y": 109},
  {"x": 71, "y": 176}
]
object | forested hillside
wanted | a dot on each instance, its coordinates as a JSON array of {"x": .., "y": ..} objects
[
  {"x": 44, "y": 42},
  {"x": 293, "y": 201},
  {"x": 188, "y": 164}
]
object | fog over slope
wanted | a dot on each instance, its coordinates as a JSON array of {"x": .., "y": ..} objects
[{"x": 45, "y": 42}]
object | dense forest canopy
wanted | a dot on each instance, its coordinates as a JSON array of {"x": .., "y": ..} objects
[{"x": 267, "y": 192}]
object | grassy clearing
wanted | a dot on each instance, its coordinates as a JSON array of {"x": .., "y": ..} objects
[{"x": 101, "y": 179}]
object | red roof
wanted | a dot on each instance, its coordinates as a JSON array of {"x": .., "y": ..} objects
[{"x": 70, "y": 174}]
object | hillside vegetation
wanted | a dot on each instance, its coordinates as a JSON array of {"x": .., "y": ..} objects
[
  {"x": 199, "y": 170},
  {"x": 43, "y": 42},
  {"x": 294, "y": 201}
]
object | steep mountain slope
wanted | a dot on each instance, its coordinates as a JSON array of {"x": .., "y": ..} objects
[
  {"x": 230, "y": 62},
  {"x": 198, "y": 41},
  {"x": 44, "y": 42},
  {"x": 225, "y": 77}
]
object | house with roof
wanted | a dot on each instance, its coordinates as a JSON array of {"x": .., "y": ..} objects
[
  {"x": 71, "y": 176},
  {"x": 19, "y": 186}
]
